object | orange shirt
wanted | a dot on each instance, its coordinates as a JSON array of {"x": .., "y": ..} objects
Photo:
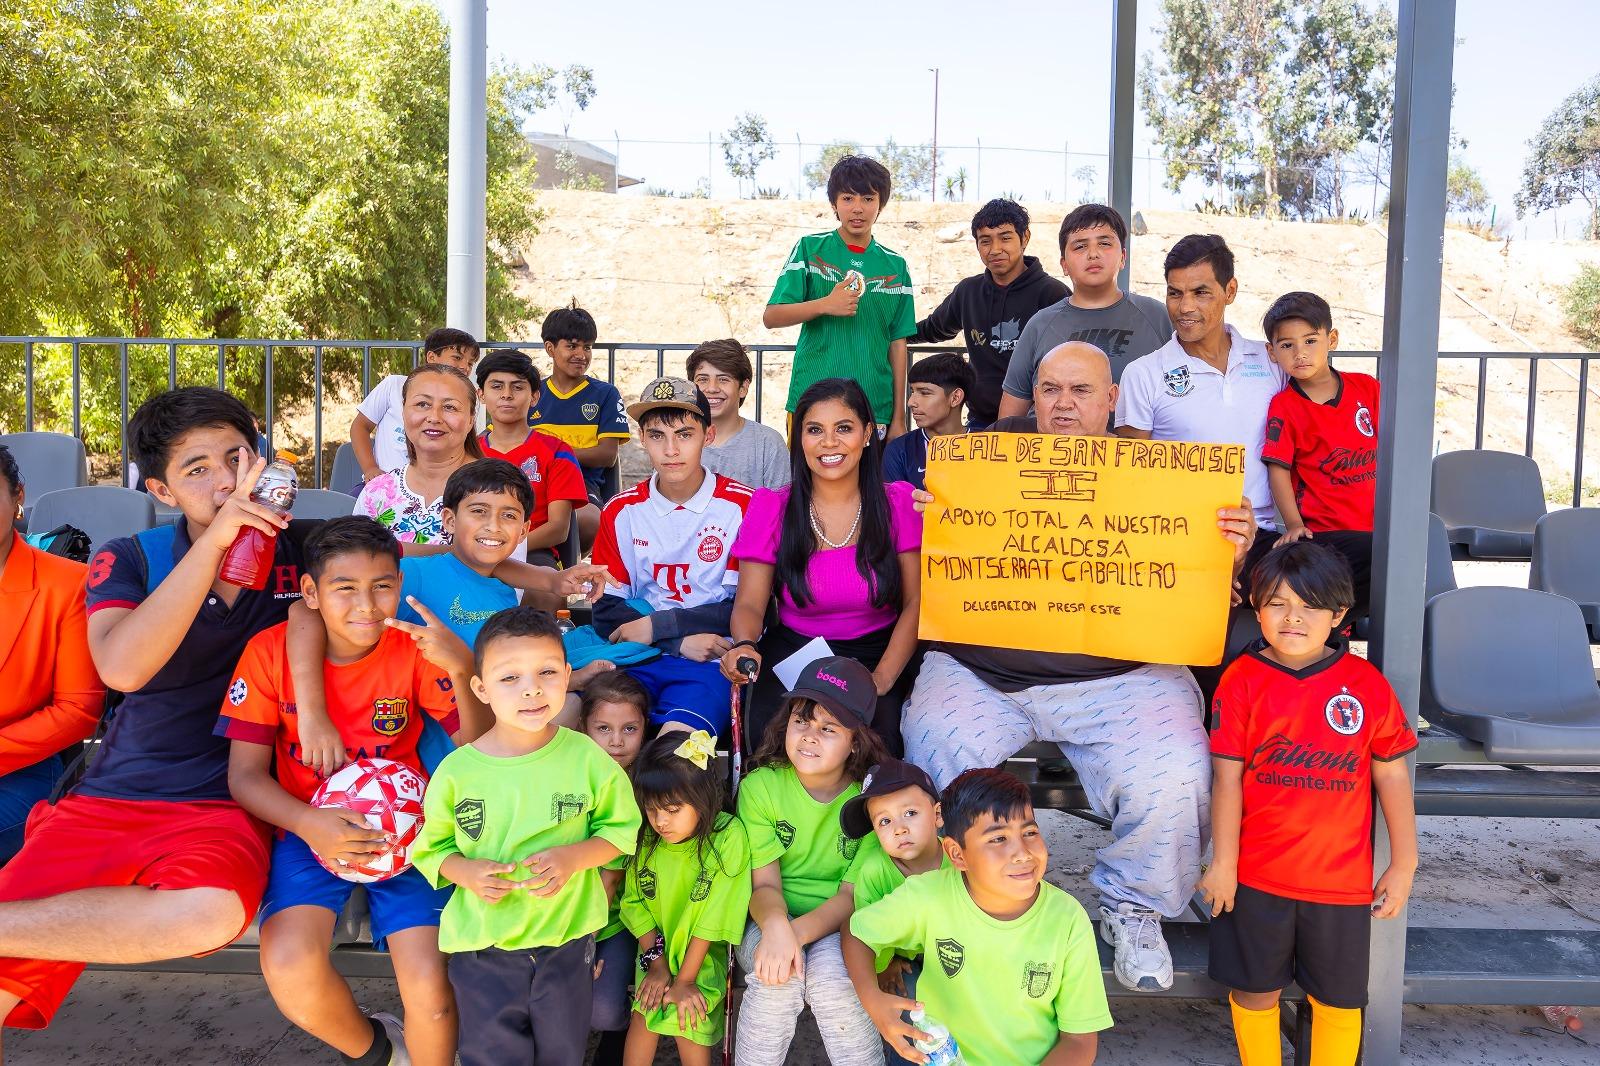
[
  {"x": 51, "y": 697},
  {"x": 373, "y": 702}
]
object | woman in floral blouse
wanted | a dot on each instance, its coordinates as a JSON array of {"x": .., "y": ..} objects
[{"x": 440, "y": 413}]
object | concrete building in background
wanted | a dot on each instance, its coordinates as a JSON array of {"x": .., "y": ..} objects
[{"x": 588, "y": 161}]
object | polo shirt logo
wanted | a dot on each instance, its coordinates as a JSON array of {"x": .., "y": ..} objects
[
  {"x": 1345, "y": 713},
  {"x": 952, "y": 956},
  {"x": 1036, "y": 979},
  {"x": 1364, "y": 420},
  {"x": 1178, "y": 381},
  {"x": 469, "y": 817},
  {"x": 389, "y": 716}
]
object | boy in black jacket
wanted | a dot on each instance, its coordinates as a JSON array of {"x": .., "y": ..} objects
[{"x": 990, "y": 309}]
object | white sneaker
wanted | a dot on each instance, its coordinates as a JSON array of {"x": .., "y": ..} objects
[
  {"x": 1143, "y": 962},
  {"x": 397, "y": 1037}
]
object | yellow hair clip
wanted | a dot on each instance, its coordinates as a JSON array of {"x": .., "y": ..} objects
[{"x": 698, "y": 748}]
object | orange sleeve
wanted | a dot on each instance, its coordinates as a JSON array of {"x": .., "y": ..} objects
[
  {"x": 436, "y": 694},
  {"x": 250, "y": 709},
  {"x": 76, "y": 700}
]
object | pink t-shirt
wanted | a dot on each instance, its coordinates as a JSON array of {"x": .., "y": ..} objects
[{"x": 841, "y": 602}]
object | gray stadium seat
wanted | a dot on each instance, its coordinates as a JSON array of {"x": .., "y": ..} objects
[
  {"x": 321, "y": 503},
  {"x": 48, "y": 461},
  {"x": 346, "y": 471},
  {"x": 102, "y": 511},
  {"x": 1489, "y": 502},
  {"x": 1565, "y": 562},
  {"x": 1441, "y": 568},
  {"x": 1510, "y": 669}
]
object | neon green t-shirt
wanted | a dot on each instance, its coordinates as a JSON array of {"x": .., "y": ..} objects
[
  {"x": 614, "y": 908},
  {"x": 483, "y": 807},
  {"x": 1005, "y": 990},
  {"x": 668, "y": 890},
  {"x": 858, "y": 347},
  {"x": 787, "y": 825},
  {"x": 874, "y": 875}
]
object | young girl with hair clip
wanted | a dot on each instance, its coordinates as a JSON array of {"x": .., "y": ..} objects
[
  {"x": 685, "y": 896},
  {"x": 811, "y": 761},
  {"x": 439, "y": 416},
  {"x": 840, "y": 550}
]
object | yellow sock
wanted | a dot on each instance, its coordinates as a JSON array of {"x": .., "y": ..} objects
[
  {"x": 1335, "y": 1034},
  {"x": 1257, "y": 1034}
]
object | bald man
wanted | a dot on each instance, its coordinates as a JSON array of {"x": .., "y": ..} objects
[{"x": 1132, "y": 731}]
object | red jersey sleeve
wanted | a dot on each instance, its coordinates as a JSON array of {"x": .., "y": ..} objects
[
  {"x": 251, "y": 710},
  {"x": 606, "y": 553},
  {"x": 1230, "y": 716},
  {"x": 1277, "y": 446},
  {"x": 1392, "y": 737},
  {"x": 436, "y": 694},
  {"x": 565, "y": 478}
]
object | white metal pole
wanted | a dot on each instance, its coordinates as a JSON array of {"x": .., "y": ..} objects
[{"x": 469, "y": 165}]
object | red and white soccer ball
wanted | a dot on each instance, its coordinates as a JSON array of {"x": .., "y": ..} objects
[{"x": 389, "y": 796}]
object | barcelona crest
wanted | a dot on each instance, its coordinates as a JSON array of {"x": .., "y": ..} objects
[{"x": 389, "y": 716}]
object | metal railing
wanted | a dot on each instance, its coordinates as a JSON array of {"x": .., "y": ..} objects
[{"x": 399, "y": 355}]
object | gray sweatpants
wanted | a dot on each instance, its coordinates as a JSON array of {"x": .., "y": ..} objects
[
  {"x": 1136, "y": 740},
  {"x": 768, "y": 1013}
]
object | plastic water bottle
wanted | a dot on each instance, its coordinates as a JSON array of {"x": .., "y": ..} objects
[
  {"x": 940, "y": 1047},
  {"x": 248, "y": 560},
  {"x": 564, "y": 622}
]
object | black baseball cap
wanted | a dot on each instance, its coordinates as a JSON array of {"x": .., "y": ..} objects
[
  {"x": 842, "y": 685},
  {"x": 887, "y": 777}
]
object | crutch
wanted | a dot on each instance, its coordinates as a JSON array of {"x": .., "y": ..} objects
[{"x": 746, "y": 667}]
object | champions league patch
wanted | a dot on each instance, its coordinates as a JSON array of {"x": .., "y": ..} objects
[
  {"x": 1364, "y": 420},
  {"x": 238, "y": 691},
  {"x": 1178, "y": 381},
  {"x": 1345, "y": 713}
]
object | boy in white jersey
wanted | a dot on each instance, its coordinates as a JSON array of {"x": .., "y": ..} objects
[{"x": 667, "y": 541}]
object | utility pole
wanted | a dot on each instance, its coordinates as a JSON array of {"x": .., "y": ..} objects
[
  {"x": 935, "y": 174},
  {"x": 466, "y": 243}
]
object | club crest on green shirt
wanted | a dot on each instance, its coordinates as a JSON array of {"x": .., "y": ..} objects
[
  {"x": 848, "y": 846},
  {"x": 1036, "y": 978},
  {"x": 647, "y": 882},
  {"x": 469, "y": 817},
  {"x": 564, "y": 805},
  {"x": 702, "y": 887},
  {"x": 785, "y": 831},
  {"x": 951, "y": 955}
]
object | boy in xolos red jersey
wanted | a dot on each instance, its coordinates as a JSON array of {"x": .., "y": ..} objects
[
  {"x": 1302, "y": 733},
  {"x": 1321, "y": 446}
]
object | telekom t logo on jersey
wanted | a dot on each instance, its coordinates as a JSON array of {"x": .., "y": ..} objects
[{"x": 674, "y": 577}]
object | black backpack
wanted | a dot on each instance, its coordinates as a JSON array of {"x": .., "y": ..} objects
[{"x": 64, "y": 540}]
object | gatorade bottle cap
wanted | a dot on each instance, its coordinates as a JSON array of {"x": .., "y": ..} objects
[{"x": 287, "y": 456}]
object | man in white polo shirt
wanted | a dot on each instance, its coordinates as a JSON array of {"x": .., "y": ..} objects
[{"x": 1207, "y": 383}]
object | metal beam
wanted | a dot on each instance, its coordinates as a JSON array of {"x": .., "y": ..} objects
[
  {"x": 1408, "y": 369},
  {"x": 469, "y": 166},
  {"x": 1119, "y": 155}
]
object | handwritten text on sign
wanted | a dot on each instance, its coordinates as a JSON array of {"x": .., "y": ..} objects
[{"x": 1096, "y": 545}]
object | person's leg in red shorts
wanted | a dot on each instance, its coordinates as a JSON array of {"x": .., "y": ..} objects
[{"x": 121, "y": 881}]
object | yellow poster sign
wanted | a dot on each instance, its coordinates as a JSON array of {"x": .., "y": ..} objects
[{"x": 1095, "y": 545}]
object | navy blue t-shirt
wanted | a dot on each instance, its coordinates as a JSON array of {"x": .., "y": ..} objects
[
  {"x": 159, "y": 744},
  {"x": 906, "y": 458}
]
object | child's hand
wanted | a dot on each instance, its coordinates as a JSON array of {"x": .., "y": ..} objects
[
  {"x": 436, "y": 641},
  {"x": 1392, "y": 891},
  {"x": 339, "y": 835},
  {"x": 1292, "y": 534},
  {"x": 580, "y": 678},
  {"x": 885, "y": 1011},
  {"x": 586, "y": 579},
  {"x": 1218, "y": 886},
  {"x": 842, "y": 301},
  {"x": 703, "y": 647},
  {"x": 482, "y": 877},
  {"x": 779, "y": 955},
  {"x": 892, "y": 980},
  {"x": 638, "y": 631},
  {"x": 549, "y": 871},
  {"x": 321, "y": 748},
  {"x": 685, "y": 996},
  {"x": 653, "y": 989}
]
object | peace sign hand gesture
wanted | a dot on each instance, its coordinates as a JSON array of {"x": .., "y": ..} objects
[{"x": 436, "y": 641}]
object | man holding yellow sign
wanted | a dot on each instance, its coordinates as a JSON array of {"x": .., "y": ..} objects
[{"x": 1065, "y": 574}]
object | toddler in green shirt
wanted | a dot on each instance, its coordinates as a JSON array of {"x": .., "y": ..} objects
[
  {"x": 1013, "y": 972},
  {"x": 521, "y": 821}
]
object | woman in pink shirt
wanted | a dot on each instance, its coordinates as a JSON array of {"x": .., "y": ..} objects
[{"x": 834, "y": 555}]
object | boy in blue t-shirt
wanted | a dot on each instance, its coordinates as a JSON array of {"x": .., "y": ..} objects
[{"x": 940, "y": 385}]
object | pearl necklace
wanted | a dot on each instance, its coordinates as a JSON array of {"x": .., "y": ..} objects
[{"x": 816, "y": 527}]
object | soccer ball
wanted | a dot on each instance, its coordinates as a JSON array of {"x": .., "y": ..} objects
[{"x": 389, "y": 795}]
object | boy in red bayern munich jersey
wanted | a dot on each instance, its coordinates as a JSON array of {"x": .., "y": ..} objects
[
  {"x": 1302, "y": 732},
  {"x": 1321, "y": 446}
]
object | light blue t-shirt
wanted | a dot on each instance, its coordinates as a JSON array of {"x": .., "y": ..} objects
[{"x": 461, "y": 597}]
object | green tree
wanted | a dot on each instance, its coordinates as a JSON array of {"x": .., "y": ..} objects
[
  {"x": 745, "y": 146},
  {"x": 1581, "y": 303},
  {"x": 1565, "y": 160},
  {"x": 817, "y": 171},
  {"x": 910, "y": 169},
  {"x": 1465, "y": 192}
]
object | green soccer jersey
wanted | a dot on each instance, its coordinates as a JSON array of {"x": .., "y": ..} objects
[
  {"x": 858, "y": 347},
  {"x": 786, "y": 824},
  {"x": 669, "y": 890},
  {"x": 505, "y": 810},
  {"x": 1005, "y": 990},
  {"x": 874, "y": 875}
]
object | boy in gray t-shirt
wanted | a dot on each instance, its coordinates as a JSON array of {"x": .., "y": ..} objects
[
  {"x": 1094, "y": 242},
  {"x": 749, "y": 452}
]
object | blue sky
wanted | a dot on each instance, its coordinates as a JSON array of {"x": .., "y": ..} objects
[{"x": 1032, "y": 77}]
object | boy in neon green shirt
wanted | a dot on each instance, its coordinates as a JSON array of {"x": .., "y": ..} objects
[
  {"x": 1018, "y": 974},
  {"x": 521, "y": 820},
  {"x": 851, "y": 297}
]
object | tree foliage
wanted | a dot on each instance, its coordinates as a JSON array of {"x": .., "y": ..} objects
[
  {"x": 910, "y": 169},
  {"x": 745, "y": 146},
  {"x": 1564, "y": 163},
  {"x": 1267, "y": 98},
  {"x": 817, "y": 171},
  {"x": 1581, "y": 303},
  {"x": 1465, "y": 192}
]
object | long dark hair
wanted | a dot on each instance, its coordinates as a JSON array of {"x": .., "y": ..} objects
[
  {"x": 663, "y": 778},
  {"x": 876, "y": 558},
  {"x": 866, "y": 747}
]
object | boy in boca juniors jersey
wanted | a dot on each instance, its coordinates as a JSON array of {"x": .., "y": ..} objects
[
  {"x": 1303, "y": 732},
  {"x": 667, "y": 541},
  {"x": 1321, "y": 446},
  {"x": 381, "y": 678}
]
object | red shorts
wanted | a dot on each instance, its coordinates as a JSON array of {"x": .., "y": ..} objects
[{"x": 88, "y": 842}]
